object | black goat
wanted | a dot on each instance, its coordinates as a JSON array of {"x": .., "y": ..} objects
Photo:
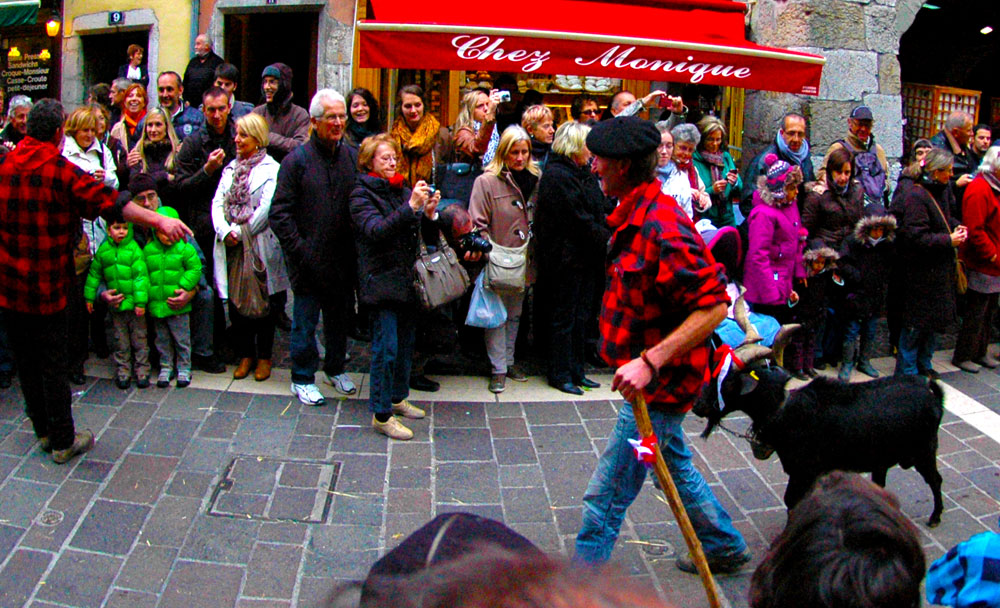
[{"x": 828, "y": 424}]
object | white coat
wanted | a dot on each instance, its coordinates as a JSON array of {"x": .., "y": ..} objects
[
  {"x": 97, "y": 156},
  {"x": 263, "y": 178}
]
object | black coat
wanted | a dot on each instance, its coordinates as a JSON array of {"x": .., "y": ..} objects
[
  {"x": 311, "y": 217},
  {"x": 866, "y": 271},
  {"x": 570, "y": 226},
  {"x": 194, "y": 187},
  {"x": 926, "y": 258},
  {"x": 199, "y": 76},
  {"x": 814, "y": 298},
  {"x": 831, "y": 216},
  {"x": 143, "y": 74},
  {"x": 385, "y": 230}
]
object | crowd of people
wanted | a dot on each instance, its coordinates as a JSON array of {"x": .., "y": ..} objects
[{"x": 280, "y": 197}]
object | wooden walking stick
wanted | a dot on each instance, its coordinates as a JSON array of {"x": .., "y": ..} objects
[{"x": 645, "y": 427}]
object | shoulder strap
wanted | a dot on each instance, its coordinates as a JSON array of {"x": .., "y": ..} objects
[{"x": 947, "y": 226}]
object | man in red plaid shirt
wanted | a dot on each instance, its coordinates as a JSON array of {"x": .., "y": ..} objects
[
  {"x": 665, "y": 296},
  {"x": 42, "y": 200}
]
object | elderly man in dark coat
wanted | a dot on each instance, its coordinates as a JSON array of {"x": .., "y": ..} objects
[{"x": 312, "y": 220}]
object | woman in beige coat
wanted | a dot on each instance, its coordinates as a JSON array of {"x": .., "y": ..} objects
[{"x": 501, "y": 203}]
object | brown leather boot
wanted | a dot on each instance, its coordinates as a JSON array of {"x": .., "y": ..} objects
[
  {"x": 243, "y": 369},
  {"x": 263, "y": 371}
]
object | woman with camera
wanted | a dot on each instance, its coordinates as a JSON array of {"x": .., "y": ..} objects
[
  {"x": 387, "y": 215},
  {"x": 717, "y": 170},
  {"x": 475, "y": 133},
  {"x": 421, "y": 138},
  {"x": 572, "y": 238},
  {"x": 501, "y": 204}
]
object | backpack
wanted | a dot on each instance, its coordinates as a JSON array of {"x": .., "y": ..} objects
[{"x": 869, "y": 172}]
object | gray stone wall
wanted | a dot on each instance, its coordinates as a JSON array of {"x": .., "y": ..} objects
[{"x": 860, "y": 40}]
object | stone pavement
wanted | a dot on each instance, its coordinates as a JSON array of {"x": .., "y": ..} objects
[{"x": 230, "y": 493}]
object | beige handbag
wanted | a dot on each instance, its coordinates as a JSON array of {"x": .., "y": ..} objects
[
  {"x": 506, "y": 268},
  {"x": 438, "y": 277}
]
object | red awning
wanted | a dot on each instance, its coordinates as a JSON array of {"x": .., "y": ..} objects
[{"x": 698, "y": 41}]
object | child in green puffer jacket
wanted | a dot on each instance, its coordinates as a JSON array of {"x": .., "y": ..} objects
[
  {"x": 171, "y": 267},
  {"x": 119, "y": 262}
]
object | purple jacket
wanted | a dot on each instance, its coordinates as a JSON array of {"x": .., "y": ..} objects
[{"x": 774, "y": 259}]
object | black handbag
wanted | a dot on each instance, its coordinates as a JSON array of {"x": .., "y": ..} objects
[{"x": 455, "y": 181}]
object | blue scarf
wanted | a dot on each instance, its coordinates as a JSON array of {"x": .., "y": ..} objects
[{"x": 799, "y": 157}]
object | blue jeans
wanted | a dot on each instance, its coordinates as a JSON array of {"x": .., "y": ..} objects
[
  {"x": 393, "y": 335},
  {"x": 202, "y": 313},
  {"x": 916, "y": 347},
  {"x": 619, "y": 477},
  {"x": 302, "y": 343},
  {"x": 866, "y": 328}
]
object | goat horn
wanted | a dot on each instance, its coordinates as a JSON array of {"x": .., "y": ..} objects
[
  {"x": 748, "y": 353},
  {"x": 742, "y": 317},
  {"x": 781, "y": 340}
]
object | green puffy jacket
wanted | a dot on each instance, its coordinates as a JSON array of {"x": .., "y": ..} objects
[
  {"x": 170, "y": 268},
  {"x": 123, "y": 268}
]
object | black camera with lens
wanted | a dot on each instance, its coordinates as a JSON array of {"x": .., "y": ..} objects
[{"x": 474, "y": 242}]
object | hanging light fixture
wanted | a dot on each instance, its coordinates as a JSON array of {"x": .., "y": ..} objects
[
  {"x": 13, "y": 53},
  {"x": 52, "y": 26},
  {"x": 986, "y": 30},
  {"x": 45, "y": 55}
]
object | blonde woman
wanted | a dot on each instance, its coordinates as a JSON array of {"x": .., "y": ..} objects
[
  {"x": 474, "y": 131},
  {"x": 538, "y": 122},
  {"x": 239, "y": 210},
  {"x": 154, "y": 153},
  {"x": 499, "y": 205}
]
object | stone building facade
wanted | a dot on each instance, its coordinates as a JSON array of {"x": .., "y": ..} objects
[{"x": 860, "y": 40}]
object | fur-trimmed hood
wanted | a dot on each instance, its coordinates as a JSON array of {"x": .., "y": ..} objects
[
  {"x": 829, "y": 254},
  {"x": 887, "y": 222}
]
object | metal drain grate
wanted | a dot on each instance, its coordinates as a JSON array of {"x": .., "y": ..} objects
[{"x": 269, "y": 489}]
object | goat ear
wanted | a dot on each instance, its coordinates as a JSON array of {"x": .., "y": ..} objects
[{"x": 748, "y": 383}]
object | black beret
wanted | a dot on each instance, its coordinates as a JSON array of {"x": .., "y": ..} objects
[
  {"x": 141, "y": 182},
  {"x": 623, "y": 137}
]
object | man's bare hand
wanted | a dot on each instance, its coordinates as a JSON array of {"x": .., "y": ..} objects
[
  {"x": 215, "y": 161},
  {"x": 631, "y": 378},
  {"x": 180, "y": 299},
  {"x": 113, "y": 299},
  {"x": 174, "y": 229}
]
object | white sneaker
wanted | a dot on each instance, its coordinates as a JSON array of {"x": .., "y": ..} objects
[
  {"x": 308, "y": 394},
  {"x": 341, "y": 383}
]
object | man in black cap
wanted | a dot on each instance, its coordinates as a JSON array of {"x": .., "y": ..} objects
[
  {"x": 861, "y": 142},
  {"x": 665, "y": 297}
]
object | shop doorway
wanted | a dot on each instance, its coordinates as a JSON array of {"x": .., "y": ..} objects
[
  {"x": 951, "y": 46},
  {"x": 103, "y": 54},
  {"x": 256, "y": 40}
]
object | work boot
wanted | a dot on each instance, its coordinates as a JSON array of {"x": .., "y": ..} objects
[
  {"x": 83, "y": 441},
  {"x": 263, "y": 371},
  {"x": 243, "y": 369}
]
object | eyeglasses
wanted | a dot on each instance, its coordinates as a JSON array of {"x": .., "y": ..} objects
[
  {"x": 590, "y": 112},
  {"x": 335, "y": 117}
]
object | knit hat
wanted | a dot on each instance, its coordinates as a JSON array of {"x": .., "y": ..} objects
[
  {"x": 779, "y": 174},
  {"x": 141, "y": 182},
  {"x": 272, "y": 71},
  {"x": 623, "y": 137}
]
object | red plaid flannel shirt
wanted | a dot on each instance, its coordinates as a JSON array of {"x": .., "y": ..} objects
[
  {"x": 42, "y": 198},
  {"x": 659, "y": 272}
]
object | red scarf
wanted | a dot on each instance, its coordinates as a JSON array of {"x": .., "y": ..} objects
[
  {"x": 396, "y": 181},
  {"x": 692, "y": 173}
]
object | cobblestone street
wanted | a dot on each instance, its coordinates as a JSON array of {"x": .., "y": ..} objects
[{"x": 230, "y": 493}]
